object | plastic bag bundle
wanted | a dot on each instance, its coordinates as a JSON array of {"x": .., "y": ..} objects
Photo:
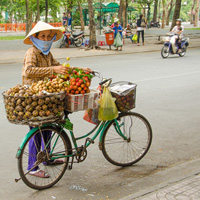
[
  {"x": 135, "y": 37},
  {"x": 91, "y": 115},
  {"x": 108, "y": 109},
  {"x": 118, "y": 40}
]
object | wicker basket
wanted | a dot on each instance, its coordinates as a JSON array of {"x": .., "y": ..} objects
[
  {"x": 125, "y": 94},
  {"x": 34, "y": 110}
]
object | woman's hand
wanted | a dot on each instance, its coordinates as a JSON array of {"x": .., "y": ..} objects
[{"x": 60, "y": 69}]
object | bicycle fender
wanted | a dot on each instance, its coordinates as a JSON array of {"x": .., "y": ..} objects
[{"x": 19, "y": 151}]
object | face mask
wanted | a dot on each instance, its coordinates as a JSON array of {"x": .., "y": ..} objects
[{"x": 43, "y": 46}]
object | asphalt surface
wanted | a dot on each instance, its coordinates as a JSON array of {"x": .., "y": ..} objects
[{"x": 167, "y": 95}]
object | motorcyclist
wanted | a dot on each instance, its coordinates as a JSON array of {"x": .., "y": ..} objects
[{"x": 178, "y": 30}]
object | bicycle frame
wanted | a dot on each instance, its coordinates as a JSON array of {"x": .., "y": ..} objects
[{"x": 101, "y": 127}]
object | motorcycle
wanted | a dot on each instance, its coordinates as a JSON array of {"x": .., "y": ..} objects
[
  {"x": 70, "y": 38},
  {"x": 154, "y": 24},
  {"x": 171, "y": 46}
]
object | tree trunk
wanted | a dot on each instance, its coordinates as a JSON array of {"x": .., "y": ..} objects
[
  {"x": 148, "y": 12},
  {"x": 46, "y": 11},
  {"x": 196, "y": 20},
  {"x": 11, "y": 13},
  {"x": 163, "y": 15},
  {"x": 81, "y": 16},
  {"x": 159, "y": 10},
  {"x": 155, "y": 11},
  {"x": 38, "y": 12},
  {"x": 93, "y": 41},
  {"x": 28, "y": 18},
  {"x": 191, "y": 15},
  {"x": 120, "y": 10},
  {"x": 171, "y": 5},
  {"x": 124, "y": 14},
  {"x": 176, "y": 13},
  {"x": 144, "y": 13}
]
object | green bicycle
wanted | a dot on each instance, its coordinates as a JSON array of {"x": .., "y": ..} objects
[{"x": 123, "y": 141}]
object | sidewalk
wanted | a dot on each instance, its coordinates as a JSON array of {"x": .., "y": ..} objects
[
  {"x": 151, "y": 45},
  {"x": 179, "y": 182},
  {"x": 187, "y": 189}
]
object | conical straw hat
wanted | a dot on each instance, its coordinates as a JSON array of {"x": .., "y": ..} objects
[{"x": 42, "y": 26}]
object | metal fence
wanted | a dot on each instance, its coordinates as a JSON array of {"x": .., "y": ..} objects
[{"x": 18, "y": 27}]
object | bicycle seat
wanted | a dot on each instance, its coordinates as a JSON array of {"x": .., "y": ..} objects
[{"x": 77, "y": 34}]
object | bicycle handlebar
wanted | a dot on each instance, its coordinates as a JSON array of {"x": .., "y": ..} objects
[
  {"x": 109, "y": 79},
  {"x": 99, "y": 75}
]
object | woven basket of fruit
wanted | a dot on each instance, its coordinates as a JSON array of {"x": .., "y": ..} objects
[
  {"x": 25, "y": 107},
  {"x": 125, "y": 94}
]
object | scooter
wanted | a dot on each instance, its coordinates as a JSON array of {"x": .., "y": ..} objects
[
  {"x": 171, "y": 46},
  {"x": 154, "y": 24},
  {"x": 70, "y": 38}
]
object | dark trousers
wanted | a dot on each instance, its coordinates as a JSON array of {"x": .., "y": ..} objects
[
  {"x": 179, "y": 42},
  {"x": 142, "y": 32}
]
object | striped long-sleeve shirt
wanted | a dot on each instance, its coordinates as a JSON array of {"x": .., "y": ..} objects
[{"x": 37, "y": 66}]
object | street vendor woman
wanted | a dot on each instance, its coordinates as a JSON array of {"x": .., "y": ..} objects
[{"x": 39, "y": 64}]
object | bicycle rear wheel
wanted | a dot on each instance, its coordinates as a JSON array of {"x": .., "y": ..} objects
[
  {"x": 126, "y": 152},
  {"x": 57, "y": 145}
]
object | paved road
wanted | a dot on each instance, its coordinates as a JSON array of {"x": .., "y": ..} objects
[{"x": 167, "y": 95}]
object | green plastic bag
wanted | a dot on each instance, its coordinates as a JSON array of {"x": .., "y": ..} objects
[
  {"x": 108, "y": 109},
  {"x": 135, "y": 37},
  {"x": 118, "y": 40}
]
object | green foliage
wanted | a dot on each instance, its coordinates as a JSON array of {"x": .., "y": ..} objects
[
  {"x": 12, "y": 38},
  {"x": 18, "y": 8},
  {"x": 76, "y": 19},
  {"x": 184, "y": 11}
]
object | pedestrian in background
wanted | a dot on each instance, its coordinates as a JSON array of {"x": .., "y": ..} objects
[
  {"x": 64, "y": 19},
  {"x": 107, "y": 19},
  {"x": 129, "y": 33},
  {"x": 69, "y": 21},
  {"x": 140, "y": 26},
  {"x": 118, "y": 36}
]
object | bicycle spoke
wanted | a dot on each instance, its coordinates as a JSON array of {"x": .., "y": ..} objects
[
  {"x": 125, "y": 152},
  {"x": 50, "y": 137}
]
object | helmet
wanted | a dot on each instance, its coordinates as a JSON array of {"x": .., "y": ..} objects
[{"x": 179, "y": 20}]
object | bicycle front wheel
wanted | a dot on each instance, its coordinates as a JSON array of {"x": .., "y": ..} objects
[
  {"x": 130, "y": 147},
  {"x": 39, "y": 152}
]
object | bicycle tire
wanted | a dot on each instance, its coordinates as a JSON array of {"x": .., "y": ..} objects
[
  {"x": 62, "y": 146},
  {"x": 114, "y": 146}
]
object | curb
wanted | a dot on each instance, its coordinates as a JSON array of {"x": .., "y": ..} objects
[{"x": 87, "y": 56}]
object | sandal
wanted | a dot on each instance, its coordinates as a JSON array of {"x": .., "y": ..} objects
[{"x": 39, "y": 173}]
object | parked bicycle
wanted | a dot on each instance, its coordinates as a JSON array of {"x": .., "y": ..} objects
[{"x": 123, "y": 141}]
